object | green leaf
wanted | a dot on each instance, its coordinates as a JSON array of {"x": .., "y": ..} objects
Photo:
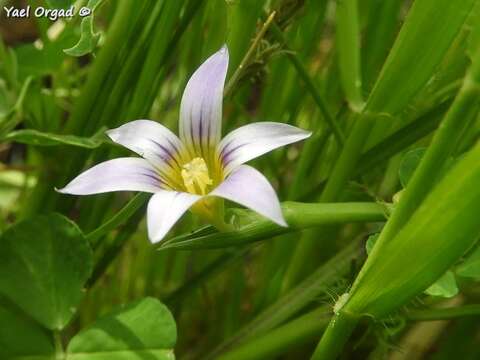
[
  {"x": 21, "y": 337},
  {"x": 12, "y": 183},
  {"x": 439, "y": 232},
  {"x": 348, "y": 44},
  {"x": 142, "y": 330},
  {"x": 379, "y": 35},
  {"x": 47, "y": 60},
  {"x": 242, "y": 17},
  {"x": 471, "y": 266},
  {"x": 88, "y": 39},
  {"x": 8, "y": 65},
  {"x": 474, "y": 38},
  {"x": 371, "y": 242},
  {"x": 445, "y": 287},
  {"x": 44, "y": 263},
  {"x": 11, "y": 116},
  {"x": 409, "y": 163},
  {"x": 427, "y": 33},
  {"x": 414, "y": 57},
  {"x": 38, "y": 138}
]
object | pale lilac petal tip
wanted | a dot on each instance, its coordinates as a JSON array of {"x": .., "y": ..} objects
[
  {"x": 248, "y": 187},
  {"x": 252, "y": 140},
  {"x": 122, "y": 174},
  {"x": 164, "y": 210},
  {"x": 201, "y": 105}
]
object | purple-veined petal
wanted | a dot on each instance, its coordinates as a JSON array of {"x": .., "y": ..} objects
[
  {"x": 122, "y": 174},
  {"x": 248, "y": 187},
  {"x": 201, "y": 106},
  {"x": 252, "y": 140},
  {"x": 150, "y": 140},
  {"x": 164, "y": 209},
  {"x": 155, "y": 143}
]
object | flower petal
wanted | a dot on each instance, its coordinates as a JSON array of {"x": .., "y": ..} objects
[
  {"x": 164, "y": 210},
  {"x": 148, "y": 139},
  {"x": 155, "y": 143},
  {"x": 122, "y": 174},
  {"x": 201, "y": 106},
  {"x": 252, "y": 140},
  {"x": 248, "y": 187}
]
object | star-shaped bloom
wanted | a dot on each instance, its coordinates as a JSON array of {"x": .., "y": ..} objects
[{"x": 198, "y": 168}]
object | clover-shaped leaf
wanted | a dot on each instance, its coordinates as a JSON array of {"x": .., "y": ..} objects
[
  {"x": 142, "y": 330},
  {"x": 44, "y": 263}
]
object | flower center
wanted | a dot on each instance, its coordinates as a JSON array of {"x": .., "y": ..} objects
[{"x": 196, "y": 177}]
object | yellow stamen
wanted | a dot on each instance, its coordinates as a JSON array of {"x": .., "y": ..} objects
[{"x": 196, "y": 177}]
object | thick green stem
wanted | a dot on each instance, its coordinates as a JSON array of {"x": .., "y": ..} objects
[
  {"x": 334, "y": 338},
  {"x": 347, "y": 36},
  {"x": 299, "y": 216},
  {"x": 349, "y": 157},
  {"x": 57, "y": 340}
]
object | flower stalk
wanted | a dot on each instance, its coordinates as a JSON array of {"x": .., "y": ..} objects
[
  {"x": 249, "y": 54},
  {"x": 335, "y": 336}
]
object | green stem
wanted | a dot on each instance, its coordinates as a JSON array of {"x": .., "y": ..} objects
[
  {"x": 338, "y": 332},
  {"x": 23, "y": 92},
  {"x": 57, "y": 339},
  {"x": 444, "y": 314},
  {"x": 299, "y": 216},
  {"x": 345, "y": 166},
  {"x": 349, "y": 58},
  {"x": 311, "y": 87},
  {"x": 293, "y": 334},
  {"x": 246, "y": 59}
]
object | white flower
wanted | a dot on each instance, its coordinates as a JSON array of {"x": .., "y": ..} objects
[{"x": 197, "y": 168}]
